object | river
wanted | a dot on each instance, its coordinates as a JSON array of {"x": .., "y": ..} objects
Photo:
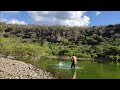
[{"x": 86, "y": 70}]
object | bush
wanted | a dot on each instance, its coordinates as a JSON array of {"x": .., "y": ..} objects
[{"x": 6, "y": 48}]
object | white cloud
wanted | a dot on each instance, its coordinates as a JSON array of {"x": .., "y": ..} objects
[
  {"x": 97, "y": 13},
  {"x": 3, "y": 20},
  {"x": 15, "y": 21},
  {"x": 12, "y": 12},
  {"x": 12, "y": 21},
  {"x": 71, "y": 18}
]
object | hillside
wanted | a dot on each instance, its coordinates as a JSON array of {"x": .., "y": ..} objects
[
  {"x": 57, "y": 33},
  {"x": 95, "y": 41}
]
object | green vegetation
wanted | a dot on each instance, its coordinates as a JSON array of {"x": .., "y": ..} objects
[
  {"x": 14, "y": 47},
  {"x": 31, "y": 41}
]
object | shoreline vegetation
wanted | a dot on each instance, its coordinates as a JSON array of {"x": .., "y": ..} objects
[
  {"x": 32, "y": 41},
  {"x": 65, "y": 58},
  {"x": 51, "y": 57}
]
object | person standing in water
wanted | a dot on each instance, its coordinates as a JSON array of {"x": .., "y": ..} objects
[{"x": 74, "y": 61}]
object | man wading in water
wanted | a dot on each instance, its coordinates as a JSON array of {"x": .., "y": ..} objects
[{"x": 74, "y": 61}]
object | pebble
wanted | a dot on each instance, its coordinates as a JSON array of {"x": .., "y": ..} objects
[{"x": 13, "y": 69}]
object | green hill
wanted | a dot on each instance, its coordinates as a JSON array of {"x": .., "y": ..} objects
[{"x": 38, "y": 40}]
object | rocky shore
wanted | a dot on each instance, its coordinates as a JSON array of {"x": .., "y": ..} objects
[{"x": 13, "y": 69}]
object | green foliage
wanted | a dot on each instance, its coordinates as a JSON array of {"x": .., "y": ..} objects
[
  {"x": 93, "y": 55},
  {"x": 40, "y": 40},
  {"x": 5, "y": 47},
  {"x": 18, "y": 49},
  {"x": 99, "y": 49}
]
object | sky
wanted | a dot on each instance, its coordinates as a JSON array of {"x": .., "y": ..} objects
[{"x": 70, "y": 18}]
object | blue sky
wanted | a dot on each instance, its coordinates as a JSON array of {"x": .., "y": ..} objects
[
  {"x": 106, "y": 17},
  {"x": 71, "y": 18}
]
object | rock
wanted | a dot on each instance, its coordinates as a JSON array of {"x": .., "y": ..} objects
[{"x": 16, "y": 77}]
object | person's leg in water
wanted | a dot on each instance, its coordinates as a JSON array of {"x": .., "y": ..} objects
[{"x": 72, "y": 64}]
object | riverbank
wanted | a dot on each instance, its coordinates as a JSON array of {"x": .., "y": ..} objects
[
  {"x": 66, "y": 58},
  {"x": 13, "y": 69}
]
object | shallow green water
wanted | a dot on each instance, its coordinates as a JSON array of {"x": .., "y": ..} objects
[{"x": 85, "y": 69}]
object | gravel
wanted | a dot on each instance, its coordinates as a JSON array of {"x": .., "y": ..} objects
[{"x": 13, "y": 69}]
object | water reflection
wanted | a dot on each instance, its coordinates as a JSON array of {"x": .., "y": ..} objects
[{"x": 74, "y": 73}]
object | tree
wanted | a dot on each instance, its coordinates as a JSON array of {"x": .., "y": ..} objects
[{"x": 93, "y": 55}]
